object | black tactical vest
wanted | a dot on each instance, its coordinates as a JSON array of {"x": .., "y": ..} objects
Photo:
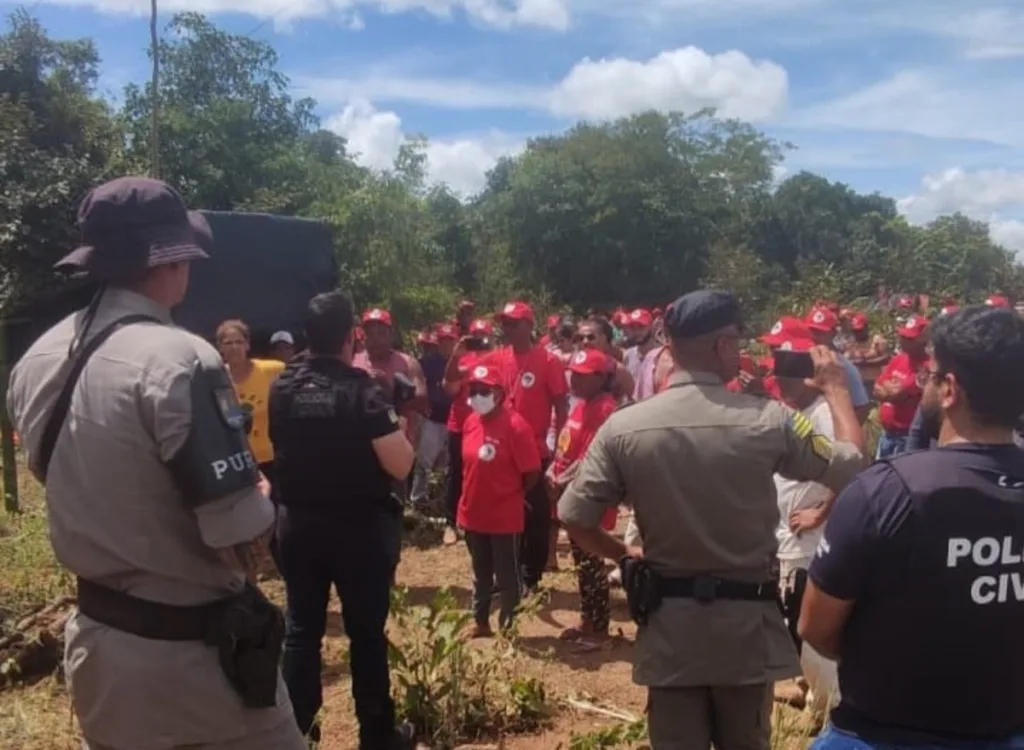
[
  {"x": 933, "y": 650},
  {"x": 323, "y": 460}
]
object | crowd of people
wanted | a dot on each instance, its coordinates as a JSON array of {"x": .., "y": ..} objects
[{"x": 760, "y": 545}]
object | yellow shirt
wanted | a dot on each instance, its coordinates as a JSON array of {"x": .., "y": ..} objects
[{"x": 254, "y": 395}]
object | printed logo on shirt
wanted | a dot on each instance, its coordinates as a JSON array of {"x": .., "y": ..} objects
[
  {"x": 528, "y": 380},
  {"x": 487, "y": 452},
  {"x": 480, "y": 372},
  {"x": 1003, "y": 581}
]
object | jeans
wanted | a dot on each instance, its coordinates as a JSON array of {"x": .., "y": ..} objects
[
  {"x": 432, "y": 444},
  {"x": 356, "y": 554},
  {"x": 836, "y": 739},
  {"x": 891, "y": 445},
  {"x": 536, "y": 538}
]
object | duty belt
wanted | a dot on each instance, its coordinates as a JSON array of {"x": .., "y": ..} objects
[
  {"x": 145, "y": 618},
  {"x": 707, "y": 589}
]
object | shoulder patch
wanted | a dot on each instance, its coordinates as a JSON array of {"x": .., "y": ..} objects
[{"x": 800, "y": 425}]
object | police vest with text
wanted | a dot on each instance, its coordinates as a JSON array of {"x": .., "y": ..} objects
[
  {"x": 957, "y": 573},
  {"x": 323, "y": 460}
]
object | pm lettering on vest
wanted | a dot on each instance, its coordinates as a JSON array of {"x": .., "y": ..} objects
[
  {"x": 237, "y": 463},
  {"x": 999, "y": 585}
]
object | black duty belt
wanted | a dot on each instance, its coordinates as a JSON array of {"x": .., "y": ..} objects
[
  {"x": 707, "y": 589},
  {"x": 145, "y": 618}
]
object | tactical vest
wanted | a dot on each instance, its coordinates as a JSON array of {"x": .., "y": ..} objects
[
  {"x": 932, "y": 648},
  {"x": 323, "y": 459}
]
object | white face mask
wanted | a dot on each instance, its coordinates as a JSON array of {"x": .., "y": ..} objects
[{"x": 482, "y": 404}]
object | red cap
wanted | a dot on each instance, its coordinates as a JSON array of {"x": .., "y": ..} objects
[
  {"x": 998, "y": 300},
  {"x": 639, "y": 317},
  {"x": 426, "y": 337},
  {"x": 447, "y": 331},
  {"x": 797, "y": 342},
  {"x": 484, "y": 374},
  {"x": 516, "y": 311},
  {"x": 553, "y": 320},
  {"x": 785, "y": 329},
  {"x": 822, "y": 319},
  {"x": 619, "y": 318},
  {"x": 948, "y": 309},
  {"x": 481, "y": 327},
  {"x": 912, "y": 327},
  {"x": 590, "y": 362},
  {"x": 377, "y": 315},
  {"x": 858, "y": 322},
  {"x": 467, "y": 304}
]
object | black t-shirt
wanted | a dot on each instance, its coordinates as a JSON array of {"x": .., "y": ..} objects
[
  {"x": 930, "y": 546},
  {"x": 324, "y": 416}
]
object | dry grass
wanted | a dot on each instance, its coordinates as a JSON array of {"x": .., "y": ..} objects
[{"x": 38, "y": 716}]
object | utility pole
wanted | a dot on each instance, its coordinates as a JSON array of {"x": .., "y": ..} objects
[{"x": 154, "y": 134}]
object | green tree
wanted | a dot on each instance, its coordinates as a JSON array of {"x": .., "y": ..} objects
[{"x": 56, "y": 141}]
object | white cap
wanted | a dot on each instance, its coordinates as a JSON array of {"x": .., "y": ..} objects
[{"x": 282, "y": 337}]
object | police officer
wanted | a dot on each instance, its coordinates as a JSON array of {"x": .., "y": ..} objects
[
  {"x": 917, "y": 587},
  {"x": 338, "y": 447},
  {"x": 697, "y": 462},
  {"x": 154, "y": 500}
]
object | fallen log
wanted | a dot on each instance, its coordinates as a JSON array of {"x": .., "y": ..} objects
[{"x": 35, "y": 647}]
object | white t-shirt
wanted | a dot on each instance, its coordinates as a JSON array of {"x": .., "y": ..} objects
[{"x": 794, "y": 496}]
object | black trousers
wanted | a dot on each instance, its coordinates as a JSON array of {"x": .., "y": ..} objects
[
  {"x": 267, "y": 469},
  {"x": 792, "y": 599},
  {"x": 357, "y": 557},
  {"x": 535, "y": 542},
  {"x": 453, "y": 484}
]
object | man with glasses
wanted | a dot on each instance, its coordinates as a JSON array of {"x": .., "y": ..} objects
[
  {"x": 697, "y": 462},
  {"x": 917, "y": 584}
]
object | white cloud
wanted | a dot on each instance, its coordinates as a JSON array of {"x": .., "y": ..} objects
[
  {"x": 992, "y": 195},
  {"x": 684, "y": 79},
  {"x": 375, "y": 136},
  {"x": 501, "y": 14},
  {"x": 932, "y": 103}
]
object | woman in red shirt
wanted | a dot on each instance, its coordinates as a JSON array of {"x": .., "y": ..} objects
[
  {"x": 500, "y": 463},
  {"x": 592, "y": 382}
]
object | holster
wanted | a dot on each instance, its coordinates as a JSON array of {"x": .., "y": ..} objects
[
  {"x": 642, "y": 586},
  {"x": 249, "y": 637}
]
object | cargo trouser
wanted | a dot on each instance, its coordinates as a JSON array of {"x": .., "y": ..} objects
[
  {"x": 695, "y": 718},
  {"x": 356, "y": 555}
]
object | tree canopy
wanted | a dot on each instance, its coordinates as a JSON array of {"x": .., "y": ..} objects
[{"x": 633, "y": 211}]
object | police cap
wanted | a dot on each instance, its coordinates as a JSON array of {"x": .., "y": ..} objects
[{"x": 702, "y": 312}]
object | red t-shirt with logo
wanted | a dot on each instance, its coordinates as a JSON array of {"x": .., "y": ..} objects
[
  {"x": 497, "y": 451},
  {"x": 897, "y": 417},
  {"x": 460, "y": 406},
  {"x": 533, "y": 383},
  {"x": 584, "y": 420}
]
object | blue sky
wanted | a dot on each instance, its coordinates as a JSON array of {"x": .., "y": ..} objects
[{"x": 919, "y": 99}]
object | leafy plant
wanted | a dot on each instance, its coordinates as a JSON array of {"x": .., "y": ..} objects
[
  {"x": 615, "y": 737},
  {"x": 451, "y": 691}
]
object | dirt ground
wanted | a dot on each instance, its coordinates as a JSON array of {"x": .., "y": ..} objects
[{"x": 38, "y": 717}]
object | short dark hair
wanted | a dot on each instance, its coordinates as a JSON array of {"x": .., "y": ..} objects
[
  {"x": 601, "y": 322},
  {"x": 984, "y": 348},
  {"x": 330, "y": 318}
]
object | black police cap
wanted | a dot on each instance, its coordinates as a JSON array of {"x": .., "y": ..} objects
[{"x": 702, "y": 312}]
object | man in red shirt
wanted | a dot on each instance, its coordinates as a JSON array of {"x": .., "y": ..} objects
[
  {"x": 467, "y": 354},
  {"x": 500, "y": 464},
  {"x": 534, "y": 383},
  {"x": 899, "y": 387}
]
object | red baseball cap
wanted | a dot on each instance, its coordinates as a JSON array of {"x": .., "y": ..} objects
[
  {"x": 553, "y": 320},
  {"x": 784, "y": 329},
  {"x": 485, "y": 374},
  {"x": 447, "y": 331},
  {"x": 638, "y": 317},
  {"x": 822, "y": 319},
  {"x": 516, "y": 311},
  {"x": 998, "y": 300},
  {"x": 858, "y": 322},
  {"x": 590, "y": 362},
  {"x": 949, "y": 309},
  {"x": 481, "y": 327},
  {"x": 797, "y": 342},
  {"x": 377, "y": 315},
  {"x": 912, "y": 327},
  {"x": 426, "y": 337}
]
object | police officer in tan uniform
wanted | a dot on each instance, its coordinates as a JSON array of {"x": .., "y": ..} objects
[
  {"x": 154, "y": 501},
  {"x": 697, "y": 463}
]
